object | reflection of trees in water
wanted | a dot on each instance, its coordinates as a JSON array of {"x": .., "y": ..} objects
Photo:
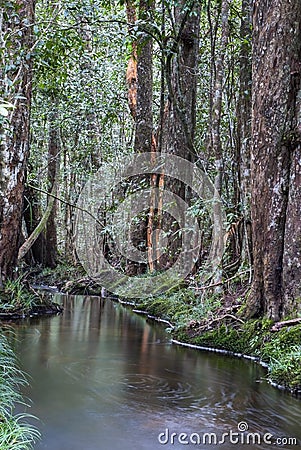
[
  {"x": 98, "y": 357},
  {"x": 80, "y": 323},
  {"x": 78, "y": 328}
]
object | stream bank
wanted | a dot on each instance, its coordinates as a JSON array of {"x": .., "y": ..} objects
[
  {"x": 211, "y": 321},
  {"x": 214, "y": 327},
  {"x": 19, "y": 299}
]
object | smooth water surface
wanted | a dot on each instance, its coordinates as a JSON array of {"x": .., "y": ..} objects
[{"x": 103, "y": 378}]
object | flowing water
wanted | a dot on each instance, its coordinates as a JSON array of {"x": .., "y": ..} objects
[{"x": 103, "y": 378}]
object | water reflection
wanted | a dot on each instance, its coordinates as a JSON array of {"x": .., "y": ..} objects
[{"x": 103, "y": 378}]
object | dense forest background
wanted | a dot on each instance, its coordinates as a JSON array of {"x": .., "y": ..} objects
[{"x": 214, "y": 82}]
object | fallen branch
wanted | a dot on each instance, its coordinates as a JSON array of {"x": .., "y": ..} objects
[
  {"x": 209, "y": 324},
  {"x": 286, "y": 323},
  {"x": 41, "y": 225},
  {"x": 200, "y": 288},
  {"x": 219, "y": 319}
]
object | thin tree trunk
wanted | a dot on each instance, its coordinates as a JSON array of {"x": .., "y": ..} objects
[
  {"x": 244, "y": 108},
  {"x": 180, "y": 115},
  {"x": 143, "y": 115},
  {"x": 32, "y": 217},
  {"x": 51, "y": 253},
  {"x": 26, "y": 246},
  {"x": 244, "y": 117},
  {"x": 217, "y": 107}
]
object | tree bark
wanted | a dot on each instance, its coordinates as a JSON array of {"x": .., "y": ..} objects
[
  {"x": 292, "y": 241},
  {"x": 244, "y": 131},
  {"x": 51, "y": 253},
  {"x": 142, "y": 111},
  {"x": 15, "y": 145},
  {"x": 216, "y": 116},
  {"x": 244, "y": 107},
  {"x": 275, "y": 157},
  {"x": 131, "y": 72},
  {"x": 178, "y": 127}
]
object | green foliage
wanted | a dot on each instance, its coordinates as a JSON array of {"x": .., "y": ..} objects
[
  {"x": 15, "y": 431},
  {"x": 15, "y": 296},
  {"x": 281, "y": 342},
  {"x": 78, "y": 84},
  {"x": 285, "y": 369},
  {"x": 59, "y": 275}
]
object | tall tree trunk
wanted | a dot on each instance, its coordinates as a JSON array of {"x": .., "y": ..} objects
[
  {"x": 178, "y": 128},
  {"x": 275, "y": 156},
  {"x": 216, "y": 116},
  {"x": 292, "y": 240},
  {"x": 181, "y": 75},
  {"x": 244, "y": 107},
  {"x": 217, "y": 94},
  {"x": 142, "y": 111},
  {"x": 15, "y": 145},
  {"x": 244, "y": 131}
]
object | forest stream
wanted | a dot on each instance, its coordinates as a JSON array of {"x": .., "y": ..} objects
[{"x": 102, "y": 377}]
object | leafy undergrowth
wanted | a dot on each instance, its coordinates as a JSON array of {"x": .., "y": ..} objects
[
  {"x": 18, "y": 299},
  {"x": 59, "y": 276},
  {"x": 16, "y": 433},
  {"x": 205, "y": 322}
]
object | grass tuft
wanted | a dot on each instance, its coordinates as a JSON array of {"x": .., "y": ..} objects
[{"x": 16, "y": 433}]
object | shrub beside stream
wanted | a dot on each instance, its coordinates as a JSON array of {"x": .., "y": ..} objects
[{"x": 16, "y": 433}]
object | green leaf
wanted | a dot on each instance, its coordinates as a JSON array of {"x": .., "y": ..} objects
[{"x": 4, "y": 108}]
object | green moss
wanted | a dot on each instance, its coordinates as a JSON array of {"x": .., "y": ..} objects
[
  {"x": 245, "y": 339},
  {"x": 180, "y": 307}
]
